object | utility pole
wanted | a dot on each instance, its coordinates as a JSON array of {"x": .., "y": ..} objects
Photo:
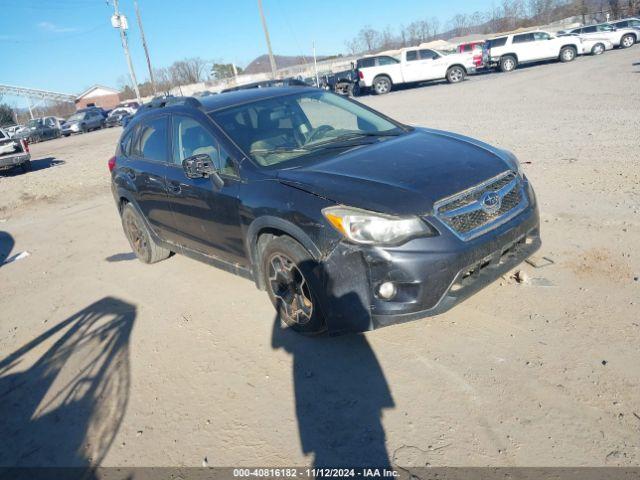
[
  {"x": 266, "y": 36},
  {"x": 315, "y": 65},
  {"x": 120, "y": 22},
  {"x": 144, "y": 44}
]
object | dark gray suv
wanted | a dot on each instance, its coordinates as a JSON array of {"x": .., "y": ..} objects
[{"x": 348, "y": 219}]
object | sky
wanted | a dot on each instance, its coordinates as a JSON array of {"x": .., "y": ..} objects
[{"x": 70, "y": 45}]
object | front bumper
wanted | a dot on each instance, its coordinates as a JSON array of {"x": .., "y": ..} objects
[{"x": 431, "y": 274}]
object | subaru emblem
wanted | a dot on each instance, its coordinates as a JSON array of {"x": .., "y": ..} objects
[{"x": 490, "y": 202}]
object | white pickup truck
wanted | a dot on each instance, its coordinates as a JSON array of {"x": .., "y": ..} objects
[
  {"x": 416, "y": 65},
  {"x": 507, "y": 52},
  {"x": 14, "y": 153}
]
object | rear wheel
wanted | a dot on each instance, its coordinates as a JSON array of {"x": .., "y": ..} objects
[
  {"x": 627, "y": 40},
  {"x": 456, "y": 74},
  {"x": 567, "y": 54},
  {"x": 139, "y": 237},
  {"x": 288, "y": 269},
  {"x": 598, "y": 49},
  {"x": 381, "y": 85},
  {"x": 508, "y": 63}
]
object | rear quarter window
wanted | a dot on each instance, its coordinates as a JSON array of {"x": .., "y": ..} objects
[{"x": 497, "y": 42}]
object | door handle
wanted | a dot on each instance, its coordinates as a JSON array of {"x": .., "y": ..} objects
[{"x": 175, "y": 187}]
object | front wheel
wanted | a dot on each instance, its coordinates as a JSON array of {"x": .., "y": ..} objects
[
  {"x": 456, "y": 74},
  {"x": 142, "y": 244},
  {"x": 567, "y": 54},
  {"x": 288, "y": 272},
  {"x": 382, "y": 85},
  {"x": 626, "y": 41}
]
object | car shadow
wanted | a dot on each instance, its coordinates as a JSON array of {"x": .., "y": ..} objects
[
  {"x": 65, "y": 409},
  {"x": 121, "y": 257},
  {"x": 340, "y": 394},
  {"x": 6, "y": 246},
  {"x": 37, "y": 164}
]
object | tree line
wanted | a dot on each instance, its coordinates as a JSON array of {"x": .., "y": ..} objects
[
  {"x": 505, "y": 16},
  {"x": 182, "y": 72}
]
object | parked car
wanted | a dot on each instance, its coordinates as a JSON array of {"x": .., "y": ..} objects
[
  {"x": 620, "y": 37},
  {"x": 116, "y": 117},
  {"x": 474, "y": 48},
  {"x": 14, "y": 152},
  {"x": 507, "y": 52},
  {"x": 591, "y": 46},
  {"x": 104, "y": 113},
  {"x": 628, "y": 23},
  {"x": 415, "y": 65},
  {"x": 83, "y": 121},
  {"x": 39, "y": 129},
  {"x": 348, "y": 219},
  {"x": 129, "y": 105}
]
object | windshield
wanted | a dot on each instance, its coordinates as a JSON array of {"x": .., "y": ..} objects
[
  {"x": 75, "y": 117},
  {"x": 276, "y": 130}
]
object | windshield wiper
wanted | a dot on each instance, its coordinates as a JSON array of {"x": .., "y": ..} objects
[
  {"x": 280, "y": 150},
  {"x": 346, "y": 139}
]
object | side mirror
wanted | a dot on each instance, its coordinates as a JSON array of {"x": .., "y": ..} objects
[{"x": 198, "y": 166}]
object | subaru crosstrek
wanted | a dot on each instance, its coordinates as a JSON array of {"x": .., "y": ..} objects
[{"x": 348, "y": 219}]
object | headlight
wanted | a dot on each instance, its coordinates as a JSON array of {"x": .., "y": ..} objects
[{"x": 364, "y": 227}]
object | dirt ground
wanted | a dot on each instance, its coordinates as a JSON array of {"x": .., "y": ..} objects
[{"x": 104, "y": 360}]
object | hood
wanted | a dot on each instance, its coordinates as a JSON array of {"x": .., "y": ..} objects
[{"x": 403, "y": 175}]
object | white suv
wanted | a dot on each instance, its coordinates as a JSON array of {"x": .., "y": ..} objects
[
  {"x": 620, "y": 37},
  {"x": 509, "y": 51}
]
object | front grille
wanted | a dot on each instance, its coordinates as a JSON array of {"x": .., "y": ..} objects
[{"x": 473, "y": 212}]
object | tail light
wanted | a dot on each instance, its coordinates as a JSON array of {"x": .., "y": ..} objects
[
  {"x": 111, "y": 163},
  {"x": 360, "y": 75},
  {"x": 25, "y": 145}
]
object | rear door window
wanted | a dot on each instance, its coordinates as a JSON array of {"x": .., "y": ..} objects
[
  {"x": 593, "y": 29},
  {"x": 151, "y": 140},
  {"x": 523, "y": 38},
  {"x": 387, "y": 61},
  {"x": 366, "y": 62},
  {"x": 412, "y": 55},
  {"x": 497, "y": 42}
]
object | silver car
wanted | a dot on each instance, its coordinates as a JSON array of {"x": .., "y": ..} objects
[{"x": 82, "y": 122}]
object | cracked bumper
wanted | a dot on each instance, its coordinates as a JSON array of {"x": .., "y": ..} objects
[{"x": 431, "y": 274}]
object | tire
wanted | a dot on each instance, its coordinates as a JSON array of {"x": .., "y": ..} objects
[
  {"x": 381, "y": 85},
  {"x": 67, "y": 134},
  {"x": 26, "y": 166},
  {"x": 598, "y": 49},
  {"x": 83, "y": 129},
  {"x": 567, "y": 54},
  {"x": 456, "y": 74},
  {"x": 627, "y": 40},
  {"x": 286, "y": 268},
  {"x": 142, "y": 244},
  {"x": 508, "y": 63}
]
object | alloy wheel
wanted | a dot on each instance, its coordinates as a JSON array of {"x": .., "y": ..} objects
[
  {"x": 456, "y": 75},
  {"x": 290, "y": 288}
]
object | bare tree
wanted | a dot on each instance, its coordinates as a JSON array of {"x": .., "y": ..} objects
[
  {"x": 187, "y": 71},
  {"x": 369, "y": 38}
]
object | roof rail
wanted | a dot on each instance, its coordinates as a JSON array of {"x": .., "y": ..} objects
[{"x": 167, "y": 100}]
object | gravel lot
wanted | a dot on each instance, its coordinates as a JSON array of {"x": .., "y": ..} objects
[{"x": 108, "y": 361}]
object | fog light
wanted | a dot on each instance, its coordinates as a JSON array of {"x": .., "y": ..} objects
[{"x": 387, "y": 290}]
